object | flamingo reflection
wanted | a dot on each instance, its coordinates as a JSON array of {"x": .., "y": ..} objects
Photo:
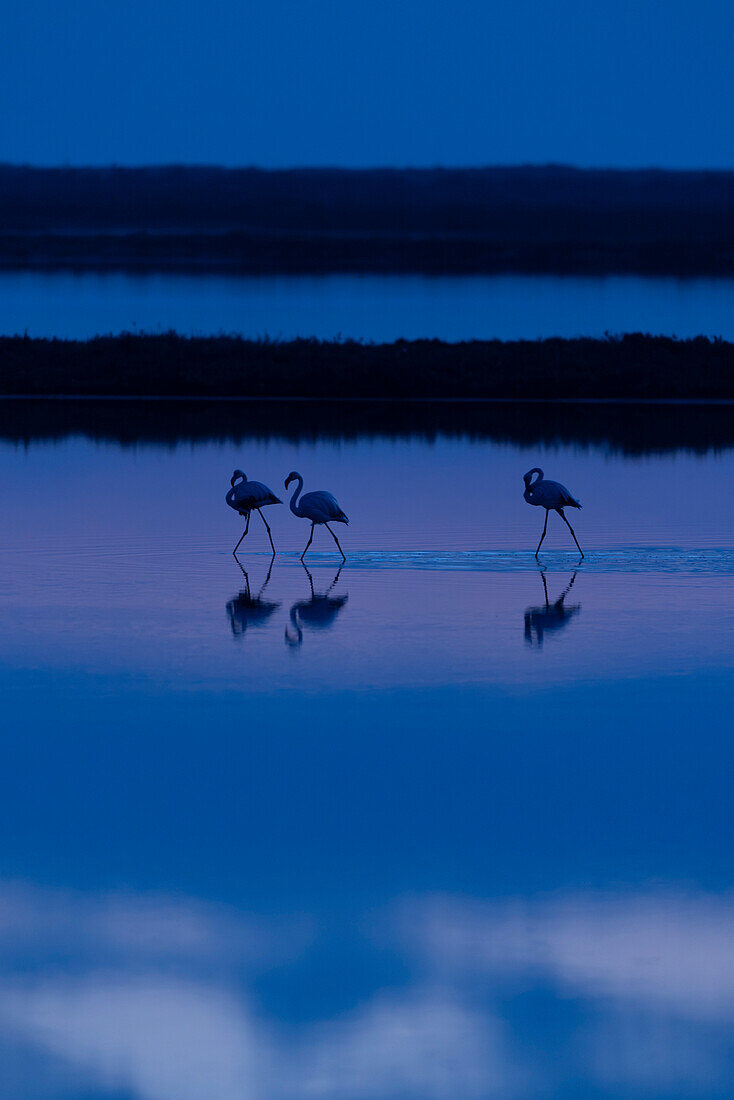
[
  {"x": 247, "y": 610},
  {"x": 318, "y": 613},
  {"x": 551, "y": 617}
]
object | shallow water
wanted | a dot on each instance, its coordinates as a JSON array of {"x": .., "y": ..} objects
[
  {"x": 370, "y": 307},
  {"x": 441, "y": 823}
]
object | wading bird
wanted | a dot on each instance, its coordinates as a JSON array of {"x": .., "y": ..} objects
[
  {"x": 248, "y": 496},
  {"x": 319, "y": 507},
  {"x": 550, "y": 495},
  {"x": 318, "y": 613}
]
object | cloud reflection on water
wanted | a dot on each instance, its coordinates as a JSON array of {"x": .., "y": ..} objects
[{"x": 160, "y": 998}]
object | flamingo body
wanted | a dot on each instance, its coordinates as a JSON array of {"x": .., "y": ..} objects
[
  {"x": 320, "y": 506},
  {"x": 547, "y": 494},
  {"x": 245, "y": 496}
]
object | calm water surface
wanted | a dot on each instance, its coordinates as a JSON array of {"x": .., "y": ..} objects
[
  {"x": 441, "y": 824},
  {"x": 379, "y": 308}
]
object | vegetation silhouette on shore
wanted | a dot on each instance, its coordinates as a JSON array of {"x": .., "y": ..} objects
[{"x": 634, "y": 366}]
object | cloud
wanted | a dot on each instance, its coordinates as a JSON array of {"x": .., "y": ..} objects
[
  {"x": 661, "y": 950},
  {"x": 425, "y": 1044},
  {"x": 148, "y": 995},
  {"x": 133, "y": 928},
  {"x": 153, "y": 997},
  {"x": 165, "y": 1040},
  {"x": 157, "y": 1039}
]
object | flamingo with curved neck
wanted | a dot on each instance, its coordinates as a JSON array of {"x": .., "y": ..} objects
[
  {"x": 293, "y": 503},
  {"x": 320, "y": 506}
]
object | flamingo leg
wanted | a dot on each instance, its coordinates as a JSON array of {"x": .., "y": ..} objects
[
  {"x": 310, "y": 540},
  {"x": 336, "y": 578},
  {"x": 570, "y": 583},
  {"x": 266, "y": 582},
  {"x": 336, "y": 540},
  {"x": 262, "y": 517},
  {"x": 572, "y": 532},
  {"x": 310, "y": 579},
  {"x": 545, "y": 528},
  {"x": 247, "y": 528}
]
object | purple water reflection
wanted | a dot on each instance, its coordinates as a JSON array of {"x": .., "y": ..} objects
[{"x": 468, "y": 834}]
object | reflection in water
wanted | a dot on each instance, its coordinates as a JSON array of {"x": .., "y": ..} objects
[
  {"x": 140, "y": 1000},
  {"x": 631, "y": 429},
  {"x": 552, "y": 616},
  {"x": 247, "y": 610},
  {"x": 318, "y": 613}
]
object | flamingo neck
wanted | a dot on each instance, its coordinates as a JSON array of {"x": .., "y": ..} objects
[
  {"x": 529, "y": 483},
  {"x": 294, "y": 499}
]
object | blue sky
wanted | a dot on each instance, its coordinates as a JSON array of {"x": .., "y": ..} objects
[{"x": 398, "y": 82}]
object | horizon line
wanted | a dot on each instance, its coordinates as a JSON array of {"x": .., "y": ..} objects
[{"x": 519, "y": 166}]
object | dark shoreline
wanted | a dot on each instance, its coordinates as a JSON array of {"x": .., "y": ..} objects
[
  {"x": 629, "y": 428},
  {"x": 633, "y": 367},
  {"x": 523, "y": 219},
  {"x": 251, "y": 254}
]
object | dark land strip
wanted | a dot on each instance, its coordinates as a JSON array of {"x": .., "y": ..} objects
[
  {"x": 227, "y": 390},
  {"x": 433, "y": 221},
  {"x": 630, "y": 367}
]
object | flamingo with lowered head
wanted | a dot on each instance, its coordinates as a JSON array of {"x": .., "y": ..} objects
[
  {"x": 247, "y": 496},
  {"x": 550, "y": 495},
  {"x": 319, "y": 506}
]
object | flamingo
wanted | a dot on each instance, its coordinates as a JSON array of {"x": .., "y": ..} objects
[
  {"x": 248, "y": 496},
  {"x": 549, "y": 495},
  {"x": 318, "y": 613},
  {"x": 318, "y": 506}
]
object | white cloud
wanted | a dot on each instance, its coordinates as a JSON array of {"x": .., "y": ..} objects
[
  {"x": 160, "y": 1040},
  {"x": 148, "y": 996},
  {"x": 671, "y": 951},
  {"x": 424, "y": 1044}
]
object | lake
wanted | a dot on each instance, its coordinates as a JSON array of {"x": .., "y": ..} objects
[
  {"x": 377, "y": 308},
  {"x": 444, "y": 822}
]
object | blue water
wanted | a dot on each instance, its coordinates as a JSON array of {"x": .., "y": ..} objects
[
  {"x": 370, "y": 307},
  {"x": 441, "y": 823}
]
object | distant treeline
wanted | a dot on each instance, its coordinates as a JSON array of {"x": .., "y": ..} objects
[
  {"x": 554, "y": 219},
  {"x": 629, "y": 367}
]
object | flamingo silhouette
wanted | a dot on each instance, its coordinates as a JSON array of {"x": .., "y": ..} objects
[
  {"x": 247, "y": 496},
  {"x": 318, "y": 613},
  {"x": 246, "y": 610},
  {"x": 549, "y": 495},
  {"x": 319, "y": 506},
  {"x": 552, "y": 616}
]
